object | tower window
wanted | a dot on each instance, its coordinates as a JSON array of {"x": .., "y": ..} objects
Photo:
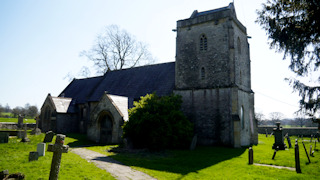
[
  {"x": 203, "y": 43},
  {"x": 239, "y": 45},
  {"x": 203, "y": 73}
]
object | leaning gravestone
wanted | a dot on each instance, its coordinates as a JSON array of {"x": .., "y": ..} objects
[
  {"x": 4, "y": 137},
  {"x": 58, "y": 148},
  {"x": 48, "y": 137}
]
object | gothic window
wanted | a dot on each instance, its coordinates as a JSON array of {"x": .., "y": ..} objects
[
  {"x": 203, "y": 43},
  {"x": 203, "y": 73},
  {"x": 239, "y": 45}
]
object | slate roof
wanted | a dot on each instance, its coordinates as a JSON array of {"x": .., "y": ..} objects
[{"x": 132, "y": 83}]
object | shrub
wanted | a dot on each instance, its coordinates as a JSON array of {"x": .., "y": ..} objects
[{"x": 157, "y": 123}]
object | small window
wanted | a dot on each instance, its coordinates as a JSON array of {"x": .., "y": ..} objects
[
  {"x": 239, "y": 45},
  {"x": 242, "y": 117},
  {"x": 203, "y": 73},
  {"x": 203, "y": 43}
]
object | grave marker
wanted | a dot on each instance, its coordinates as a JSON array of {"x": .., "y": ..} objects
[
  {"x": 58, "y": 148},
  {"x": 297, "y": 158},
  {"x": 278, "y": 138},
  {"x": 33, "y": 156},
  {"x": 41, "y": 149},
  {"x": 4, "y": 137},
  {"x": 20, "y": 121},
  {"x": 48, "y": 137},
  {"x": 250, "y": 155},
  {"x": 289, "y": 142},
  {"x": 306, "y": 151}
]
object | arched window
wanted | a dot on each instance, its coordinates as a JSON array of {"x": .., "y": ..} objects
[
  {"x": 203, "y": 73},
  {"x": 203, "y": 43},
  {"x": 239, "y": 45},
  {"x": 242, "y": 117}
]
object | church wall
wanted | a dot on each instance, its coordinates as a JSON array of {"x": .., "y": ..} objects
[
  {"x": 93, "y": 127},
  {"x": 210, "y": 111},
  {"x": 66, "y": 123}
]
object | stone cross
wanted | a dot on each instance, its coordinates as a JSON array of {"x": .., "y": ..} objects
[{"x": 58, "y": 148}]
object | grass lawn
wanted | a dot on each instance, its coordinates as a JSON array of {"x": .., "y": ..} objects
[
  {"x": 15, "y": 120},
  {"x": 14, "y": 157},
  {"x": 220, "y": 162}
]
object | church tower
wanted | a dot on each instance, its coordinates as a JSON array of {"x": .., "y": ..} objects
[{"x": 213, "y": 77}]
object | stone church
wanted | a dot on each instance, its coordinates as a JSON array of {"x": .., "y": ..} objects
[{"x": 211, "y": 73}]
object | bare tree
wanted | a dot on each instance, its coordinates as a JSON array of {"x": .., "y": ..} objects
[
  {"x": 276, "y": 116},
  {"x": 116, "y": 49},
  {"x": 259, "y": 117}
]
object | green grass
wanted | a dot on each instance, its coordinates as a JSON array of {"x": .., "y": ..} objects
[
  {"x": 15, "y": 120},
  {"x": 15, "y": 158},
  {"x": 220, "y": 162}
]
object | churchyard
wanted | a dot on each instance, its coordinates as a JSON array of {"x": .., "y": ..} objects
[{"x": 201, "y": 163}]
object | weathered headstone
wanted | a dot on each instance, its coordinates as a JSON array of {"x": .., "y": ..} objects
[
  {"x": 289, "y": 142},
  {"x": 194, "y": 142},
  {"x": 48, "y": 137},
  {"x": 4, "y": 137},
  {"x": 20, "y": 134},
  {"x": 20, "y": 121},
  {"x": 250, "y": 155},
  {"x": 297, "y": 158},
  {"x": 58, "y": 148},
  {"x": 41, "y": 149},
  {"x": 278, "y": 138},
  {"x": 25, "y": 135},
  {"x": 33, "y": 156},
  {"x": 36, "y": 130},
  {"x": 306, "y": 151}
]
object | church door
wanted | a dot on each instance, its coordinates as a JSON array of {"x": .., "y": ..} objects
[{"x": 105, "y": 128}]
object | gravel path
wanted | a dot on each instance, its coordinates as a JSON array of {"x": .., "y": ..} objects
[{"x": 115, "y": 168}]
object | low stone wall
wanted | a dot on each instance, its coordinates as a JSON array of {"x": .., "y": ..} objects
[
  {"x": 8, "y": 125},
  {"x": 294, "y": 131}
]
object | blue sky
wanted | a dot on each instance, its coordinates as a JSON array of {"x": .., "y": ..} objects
[{"x": 40, "y": 42}]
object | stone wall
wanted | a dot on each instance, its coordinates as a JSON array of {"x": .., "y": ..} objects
[
  {"x": 8, "y": 125},
  {"x": 294, "y": 131},
  {"x": 207, "y": 110}
]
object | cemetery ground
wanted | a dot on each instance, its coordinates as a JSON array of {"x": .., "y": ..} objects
[{"x": 201, "y": 163}]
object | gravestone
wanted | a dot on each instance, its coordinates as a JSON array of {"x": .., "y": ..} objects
[
  {"x": 297, "y": 157},
  {"x": 33, "y": 156},
  {"x": 20, "y": 121},
  {"x": 25, "y": 135},
  {"x": 250, "y": 155},
  {"x": 36, "y": 130},
  {"x": 41, "y": 149},
  {"x": 278, "y": 138},
  {"x": 306, "y": 151},
  {"x": 194, "y": 142},
  {"x": 4, "y": 137},
  {"x": 58, "y": 148},
  {"x": 289, "y": 142},
  {"x": 48, "y": 137}
]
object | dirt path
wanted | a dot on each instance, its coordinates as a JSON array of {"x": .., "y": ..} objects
[{"x": 115, "y": 168}]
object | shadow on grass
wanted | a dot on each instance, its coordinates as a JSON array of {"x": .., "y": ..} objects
[
  {"x": 179, "y": 161},
  {"x": 81, "y": 141}
]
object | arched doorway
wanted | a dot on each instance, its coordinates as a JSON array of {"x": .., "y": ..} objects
[{"x": 106, "y": 126}]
